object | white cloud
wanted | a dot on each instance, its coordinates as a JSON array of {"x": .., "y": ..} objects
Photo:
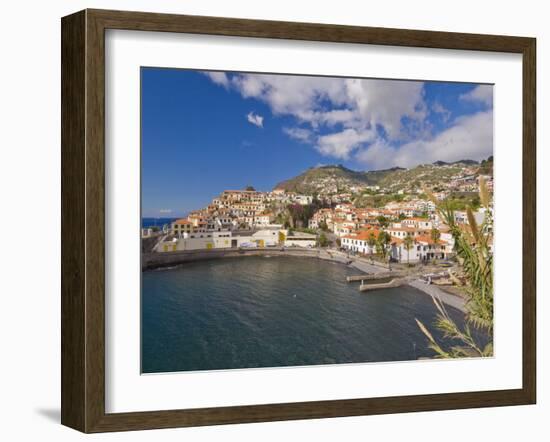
[
  {"x": 218, "y": 78},
  {"x": 352, "y": 103},
  {"x": 471, "y": 137},
  {"x": 381, "y": 123},
  {"x": 438, "y": 108},
  {"x": 341, "y": 144},
  {"x": 346, "y": 117},
  {"x": 482, "y": 94},
  {"x": 291, "y": 95},
  {"x": 322, "y": 101},
  {"x": 165, "y": 210},
  {"x": 384, "y": 103},
  {"x": 255, "y": 119},
  {"x": 298, "y": 133}
]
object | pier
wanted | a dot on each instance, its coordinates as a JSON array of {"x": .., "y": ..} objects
[
  {"x": 370, "y": 277},
  {"x": 396, "y": 282}
]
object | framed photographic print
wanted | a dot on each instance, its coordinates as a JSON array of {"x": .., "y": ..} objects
[{"x": 268, "y": 220}]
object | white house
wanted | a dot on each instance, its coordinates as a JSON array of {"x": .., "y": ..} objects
[
  {"x": 263, "y": 219},
  {"x": 418, "y": 223},
  {"x": 359, "y": 241},
  {"x": 303, "y": 199},
  {"x": 343, "y": 228},
  {"x": 423, "y": 248}
]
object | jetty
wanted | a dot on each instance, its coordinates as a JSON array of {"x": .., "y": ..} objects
[
  {"x": 355, "y": 278},
  {"x": 373, "y": 276},
  {"x": 396, "y": 282},
  {"x": 376, "y": 281}
]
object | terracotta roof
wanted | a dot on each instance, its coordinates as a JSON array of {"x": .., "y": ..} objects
[
  {"x": 428, "y": 240},
  {"x": 402, "y": 229},
  {"x": 363, "y": 235}
]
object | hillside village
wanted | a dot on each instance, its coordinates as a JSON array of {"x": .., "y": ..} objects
[{"x": 385, "y": 213}]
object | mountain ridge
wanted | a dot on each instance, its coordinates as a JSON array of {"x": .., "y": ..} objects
[{"x": 338, "y": 178}]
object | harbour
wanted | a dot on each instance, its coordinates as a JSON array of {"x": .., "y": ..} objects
[{"x": 276, "y": 310}]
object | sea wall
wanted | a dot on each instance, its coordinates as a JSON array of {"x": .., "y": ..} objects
[{"x": 154, "y": 260}]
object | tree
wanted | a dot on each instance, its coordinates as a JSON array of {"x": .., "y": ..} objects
[
  {"x": 475, "y": 203},
  {"x": 297, "y": 214},
  {"x": 371, "y": 241},
  {"x": 250, "y": 188},
  {"x": 323, "y": 240},
  {"x": 382, "y": 220},
  {"x": 323, "y": 226},
  {"x": 380, "y": 249},
  {"x": 408, "y": 244},
  {"x": 382, "y": 242},
  {"x": 473, "y": 248}
]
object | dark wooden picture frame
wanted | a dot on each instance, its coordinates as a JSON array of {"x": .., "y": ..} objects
[{"x": 83, "y": 210}]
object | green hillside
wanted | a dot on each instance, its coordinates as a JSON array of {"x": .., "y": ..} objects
[
  {"x": 337, "y": 175},
  {"x": 337, "y": 178}
]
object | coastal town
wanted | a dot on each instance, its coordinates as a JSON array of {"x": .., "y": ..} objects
[
  {"x": 296, "y": 221},
  {"x": 393, "y": 223}
]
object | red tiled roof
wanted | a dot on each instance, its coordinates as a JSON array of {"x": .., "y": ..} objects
[
  {"x": 402, "y": 229},
  {"x": 428, "y": 240},
  {"x": 363, "y": 235}
]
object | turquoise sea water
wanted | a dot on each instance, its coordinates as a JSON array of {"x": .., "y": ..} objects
[{"x": 271, "y": 312}]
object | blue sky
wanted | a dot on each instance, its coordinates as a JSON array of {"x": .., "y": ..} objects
[{"x": 203, "y": 132}]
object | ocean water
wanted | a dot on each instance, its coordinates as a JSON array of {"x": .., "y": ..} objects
[
  {"x": 159, "y": 222},
  {"x": 271, "y": 312}
]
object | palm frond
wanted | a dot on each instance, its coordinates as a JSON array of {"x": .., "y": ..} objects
[{"x": 472, "y": 248}]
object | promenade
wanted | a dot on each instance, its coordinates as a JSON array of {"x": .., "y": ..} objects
[
  {"x": 153, "y": 260},
  {"x": 365, "y": 266},
  {"x": 433, "y": 290}
]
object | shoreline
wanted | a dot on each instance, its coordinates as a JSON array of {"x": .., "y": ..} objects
[
  {"x": 446, "y": 298},
  {"x": 155, "y": 260}
]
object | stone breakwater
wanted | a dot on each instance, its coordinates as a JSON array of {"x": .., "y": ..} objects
[{"x": 151, "y": 261}]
